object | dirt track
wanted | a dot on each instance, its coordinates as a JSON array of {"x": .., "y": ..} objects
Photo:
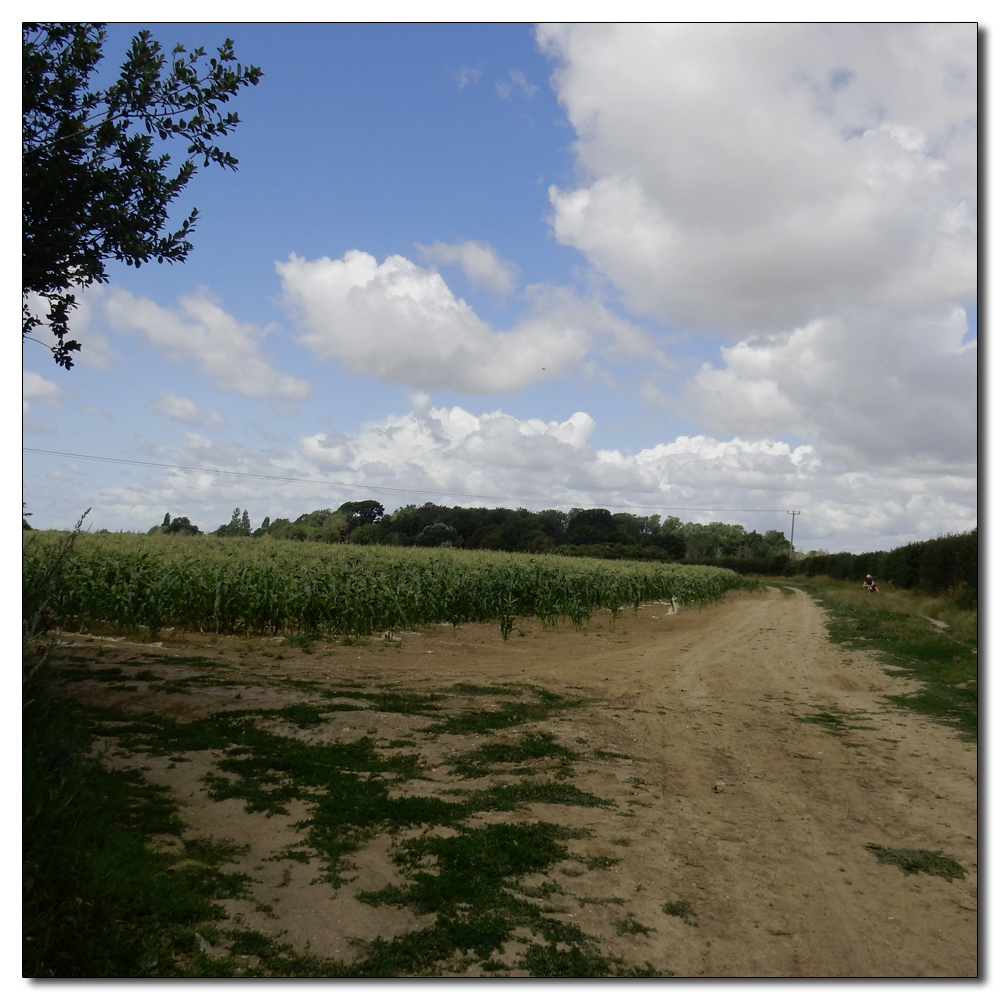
[{"x": 773, "y": 863}]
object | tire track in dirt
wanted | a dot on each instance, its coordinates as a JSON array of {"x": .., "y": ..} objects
[{"x": 786, "y": 885}]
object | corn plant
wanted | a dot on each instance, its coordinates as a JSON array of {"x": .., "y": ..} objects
[{"x": 267, "y": 586}]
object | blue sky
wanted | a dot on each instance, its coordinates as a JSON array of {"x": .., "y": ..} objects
[{"x": 647, "y": 267}]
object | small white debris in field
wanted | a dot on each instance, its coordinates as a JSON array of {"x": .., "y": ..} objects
[{"x": 719, "y": 786}]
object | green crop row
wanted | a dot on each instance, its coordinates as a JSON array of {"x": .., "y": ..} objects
[{"x": 267, "y": 586}]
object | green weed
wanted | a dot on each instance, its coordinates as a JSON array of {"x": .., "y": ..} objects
[
  {"x": 502, "y": 798},
  {"x": 835, "y": 720},
  {"x": 680, "y": 908},
  {"x": 184, "y": 661},
  {"x": 398, "y": 702},
  {"x": 159, "y": 909},
  {"x": 543, "y": 891},
  {"x": 600, "y": 862},
  {"x": 303, "y": 641},
  {"x": 98, "y": 902},
  {"x": 532, "y": 746},
  {"x": 914, "y": 861},
  {"x": 629, "y": 925},
  {"x": 510, "y": 713},
  {"x": 486, "y": 689},
  {"x": 895, "y": 627},
  {"x": 471, "y": 882}
]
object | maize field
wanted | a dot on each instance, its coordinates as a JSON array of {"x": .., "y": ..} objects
[{"x": 266, "y": 586}]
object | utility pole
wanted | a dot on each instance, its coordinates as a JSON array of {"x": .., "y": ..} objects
[{"x": 791, "y": 542}]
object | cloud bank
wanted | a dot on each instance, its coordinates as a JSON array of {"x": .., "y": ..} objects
[
  {"x": 807, "y": 191},
  {"x": 878, "y": 390},
  {"x": 402, "y": 323},
  {"x": 496, "y": 459},
  {"x": 791, "y": 170}
]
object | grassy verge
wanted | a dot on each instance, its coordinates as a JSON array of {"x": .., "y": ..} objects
[
  {"x": 942, "y": 654},
  {"x": 99, "y": 900}
]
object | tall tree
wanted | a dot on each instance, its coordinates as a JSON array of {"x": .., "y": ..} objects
[
  {"x": 362, "y": 511},
  {"x": 94, "y": 188}
]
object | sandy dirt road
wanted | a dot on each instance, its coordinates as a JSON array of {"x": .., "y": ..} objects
[{"x": 772, "y": 861}]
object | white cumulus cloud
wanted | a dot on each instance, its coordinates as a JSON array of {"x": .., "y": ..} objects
[
  {"x": 402, "y": 323},
  {"x": 452, "y": 450},
  {"x": 752, "y": 177},
  {"x": 40, "y": 390},
  {"x": 37, "y": 391},
  {"x": 479, "y": 262},
  {"x": 748, "y": 480},
  {"x": 909, "y": 401},
  {"x": 807, "y": 192},
  {"x": 200, "y": 330},
  {"x": 187, "y": 411},
  {"x": 453, "y": 456}
]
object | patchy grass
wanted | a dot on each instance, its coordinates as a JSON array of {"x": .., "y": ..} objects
[
  {"x": 471, "y": 882},
  {"x": 303, "y": 640},
  {"x": 599, "y": 862},
  {"x": 680, "y": 908},
  {"x": 396, "y": 701},
  {"x": 184, "y": 661},
  {"x": 629, "y": 925},
  {"x": 98, "y": 900},
  {"x": 486, "y": 689},
  {"x": 347, "y": 785},
  {"x": 509, "y": 713},
  {"x": 158, "y": 911},
  {"x": 480, "y": 762},
  {"x": 895, "y": 624},
  {"x": 913, "y": 861},
  {"x": 504, "y": 798},
  {"x": 836, "y": 720}
]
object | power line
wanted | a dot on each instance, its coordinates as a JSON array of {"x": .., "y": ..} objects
[
  {"x": 439, "y": 493},
  {"x": 851, "y": 524},
  {"x": 376, "y": 489}
]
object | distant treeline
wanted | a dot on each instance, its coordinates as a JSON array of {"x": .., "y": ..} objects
[
  {"x": 580, "y": 532},
  {"x": 946, "y": 565},
  {"x": 949, "y": 564}
]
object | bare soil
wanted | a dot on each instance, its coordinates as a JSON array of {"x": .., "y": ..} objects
[{"x": 727, "y": 797}]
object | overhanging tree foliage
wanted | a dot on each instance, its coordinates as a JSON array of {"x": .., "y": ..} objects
[{"x": 95, "y": 188}]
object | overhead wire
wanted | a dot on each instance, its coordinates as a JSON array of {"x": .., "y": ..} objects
[
  {"x": 375, "y": 489},
  {"x": 437, "y": 493}
]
